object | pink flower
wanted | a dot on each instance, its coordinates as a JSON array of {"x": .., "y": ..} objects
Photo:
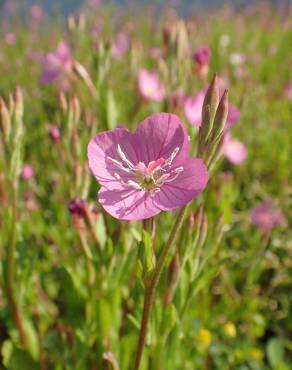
[
  {"x": 120, "y": 45},
  {"x": 265, "y": 217},
  {"x": 36, "y": 12},
  {"x": 150, "y": 87},
  {"x": 234, "y": 150},
  {"x": 146, "y": 172},
  {"x": 288, "y": 90},
  {"x": 10, "y": 38},
  {"x": 56, "y": 64},
  {"x": 94, "y": 3},
  {"x": 202, "y": 56},
  {"x": 193, "y": 110},
  {"x": 54, "y": 133},
  {"x": 27, "y": 172}
]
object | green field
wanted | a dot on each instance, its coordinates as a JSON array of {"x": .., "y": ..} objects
[{"x": 215, "y": 269}]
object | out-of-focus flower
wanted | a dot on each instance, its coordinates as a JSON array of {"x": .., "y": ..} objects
[
  {"x": 27, "y": 172},
  {"x": 150, "y": 87},
  {"x": 10, "y": 38},
  {"x": 229, "y": 329},
  {"x": 204, "y": 337},
  {"x": 234, "y": 150},
  {"x": 94, "y": 3},
  {"x": 30, "y": 201},
  {"x": 155, "y": 53},
  {"x": 54, "y": 133},
  {"x": 236, "y": 59},
  {"x": 56, "y": 64},
  {"x": 77, "y": 206},
  {"x": 193, "y": 110},
  {"x": 202, "y": 56},
  {"x": 9, "y": 6},
  {"x": 36, "y": 12},
  {"x": 149, "y": 171},
  {"x": 266, "y": 217},
  {"x": 120, "y": 45},
  {"x": 288, "y": 90}
]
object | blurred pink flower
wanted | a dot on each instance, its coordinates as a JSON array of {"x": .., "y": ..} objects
[
  {"x": 27, "y": 172},
  {"x": 36, "y": 12},
  {"x": 56, "y": 64},
  {"x": 234, "y": 150},
  {"x": 288, "y": 90},
  {"x": 193, "y": 110},
  {"x": 266, "y": 217},
  {"x": 202, "y": 56},
  {"x": 94, "y": 3},
  {"x": 54, "y": 133},
  {"x": 150, "y": 87},
  {"x": 10, "y": 6},
  {"x": 120, "y": 45},
  {"x": 155, "y": 53},
  {"x": 10, "y": 38},
  {"x": 149, "y": 171}
]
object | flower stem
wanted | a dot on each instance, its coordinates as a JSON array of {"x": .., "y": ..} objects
[
  {"x": 152, "y": 284},
  {"x": 15, "y": 312}
]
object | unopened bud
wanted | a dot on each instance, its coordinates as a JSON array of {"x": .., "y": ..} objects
[
  {"x": 210, "y": 105},
  {"x": 76, "y": 109},
  {"x": 172, "y": 278},
  {"x": 111, "y": 362},
  {"x": 5, "y": 122},
  {"x": 18, "y": 104},
  {"x": 220, "y": 117},
  {"x": 63, "y": 102}
]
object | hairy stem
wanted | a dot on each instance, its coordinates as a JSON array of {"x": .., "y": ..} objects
[{"x": 152, "y": 284}]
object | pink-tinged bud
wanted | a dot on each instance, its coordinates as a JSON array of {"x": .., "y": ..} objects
[
  {"x": 18, "y": 103},
  {"x": 220, "y": 117},
  {"x": 27, "y": 172},
  {"x": 76, "y": 109},
  {"x": 63, "y": 102},
  {"x": 210, "y": 106},
  {"x": 202, "y": 56},
  {"x": 54, "y": 133},
  {"x": 5, "y": 122},
  {"x": 172, "y": 278}
]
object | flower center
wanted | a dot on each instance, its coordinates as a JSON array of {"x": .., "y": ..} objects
[{"x": 148, "y": 178}]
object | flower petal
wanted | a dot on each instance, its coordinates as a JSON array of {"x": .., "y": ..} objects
[
  {"x": 105, "y": 146},
  {"x": 128, "y": 204},
  {"x": 161, "y": 134},
  {"x": 189, "y": 184}
]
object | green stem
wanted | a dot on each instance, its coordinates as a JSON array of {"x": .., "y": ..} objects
[
  {"x": 15, "y": 312},
  {"x": 151, "y": 286}
]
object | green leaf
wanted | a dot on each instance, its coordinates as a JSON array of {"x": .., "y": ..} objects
[
  {"x": 146, "y": 255},
  {"x": 275, "y": 352},
  {"x": 15, "y": 358}
]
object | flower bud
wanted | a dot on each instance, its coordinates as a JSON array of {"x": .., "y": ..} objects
[
  {"x": 220, "y": 117},
  {"x": 172, "y": 278},
  {"x": 5, "y": 122},
  {"x": 209, "y": 109}
]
